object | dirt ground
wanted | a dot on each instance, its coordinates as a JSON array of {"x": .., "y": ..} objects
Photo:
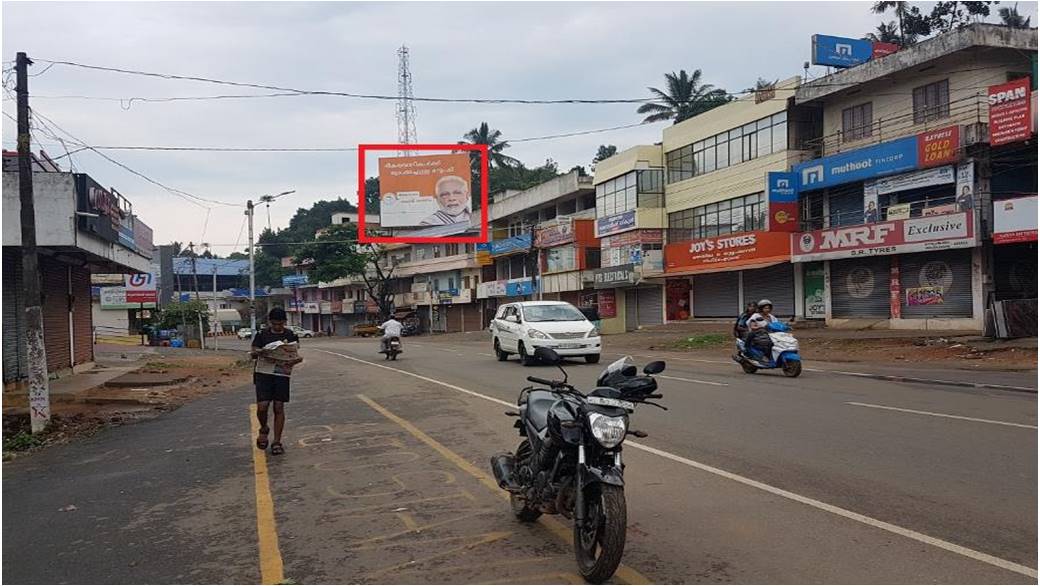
[{"x": 85, "y": 412}]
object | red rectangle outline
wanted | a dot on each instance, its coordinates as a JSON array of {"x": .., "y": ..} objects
[{"x": 366, "y": 239}]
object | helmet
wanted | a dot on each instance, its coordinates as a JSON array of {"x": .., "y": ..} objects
[{"x": 764, "y": 303}]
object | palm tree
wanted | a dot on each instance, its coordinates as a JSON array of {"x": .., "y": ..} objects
[
  {"x": 483, "y": 134},
  {"x": 902, "y": 10},
  {"x": 686, "y": 97},
  {"x": 886, "y": 33},
  {"x": 1009, "y": 16}
]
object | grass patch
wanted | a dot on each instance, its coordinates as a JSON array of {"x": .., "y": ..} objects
[
  {"x": 21, "y": 441},
  {"x": 701, "y": 341}
]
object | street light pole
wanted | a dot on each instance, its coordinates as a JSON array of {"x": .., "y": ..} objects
[{"x": 252, "y": 270}]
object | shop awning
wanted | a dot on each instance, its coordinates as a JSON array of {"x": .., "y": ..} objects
[{"x": 721, "y": 269}]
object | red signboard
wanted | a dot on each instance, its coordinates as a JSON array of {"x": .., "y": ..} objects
[
  {"x": 892, "y": 237},
  {"x": 733, "y": 250},
  {"x": 607, "y": 304},
  {"x": 938, "y": 147},
  {"x": 783, "y": 216},
  {"x": 140, "y": 296},
  {"x": 561, "y": 233},
  {"x": 1010, "y": 118},
  {"x": 652, "y": 236},
  {"x": 881, "y": 49}
]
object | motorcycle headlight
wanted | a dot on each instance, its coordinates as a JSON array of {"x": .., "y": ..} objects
[
  {"x": 593, "y": 332},
  {"x": 537, "y": 334},
  {"x": 608, "y": 431}
]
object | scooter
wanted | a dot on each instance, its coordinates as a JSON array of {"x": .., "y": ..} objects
[
  {"x": 391, "y": 348},
  {"x": 784, "y": 353}
]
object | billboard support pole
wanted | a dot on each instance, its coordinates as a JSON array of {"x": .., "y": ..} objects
[
  {"x": 252, "y": 271},
  {"x": 36, "y": 352}
]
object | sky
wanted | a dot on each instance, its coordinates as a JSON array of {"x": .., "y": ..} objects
[{"x": 541, "y": 50}]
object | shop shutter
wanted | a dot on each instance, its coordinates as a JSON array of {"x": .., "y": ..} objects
[
  {"x": 948, "y": 269},
  {"x": 775, "y": 283},
  {"x": 631, "y": 309},
  {"x": 651, "y": 306},
  {"x": 572, "y": 297},
  {"x": 859, "y": 287},
  {"x": 715, "y": 295},
  {"x": 15, "y": 362}
]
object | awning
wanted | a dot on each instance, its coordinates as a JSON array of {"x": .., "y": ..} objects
[{"x": 722, "y": 269}]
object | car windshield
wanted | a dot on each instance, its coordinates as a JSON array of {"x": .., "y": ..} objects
[{"x": 552, "y": 313}]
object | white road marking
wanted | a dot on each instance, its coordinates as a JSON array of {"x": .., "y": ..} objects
[
  {"x": 693, "y": 380},
  {"x": 486, "y": 354},
  {"x": 946, "y": 415},
  {"x": 884, "y": 526},
  {"x": 912, "y": 379}
]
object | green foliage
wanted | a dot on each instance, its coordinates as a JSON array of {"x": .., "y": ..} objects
[
  {"x": 684, "y": 98},
  {"x": 520, "y": 177},
  {"x": 269, "y": 269},
  {"x": 703, "y": 341},
  {"x": 885, "y": 33},
  {"x": 1009, "y": 16},
  {"x": 307, "y": 221},
  {"x": 946, "y": 16},
  {"x": 176, "y": 313},
  {"x": 372, "y": 195},
  {"x": 21, "y": 441},
  {"x": 484, "y": 134},
  {"x": 335, "y": 254},
  {"x": 912, "y": 24},
  {"x": 605, "y": 151}
]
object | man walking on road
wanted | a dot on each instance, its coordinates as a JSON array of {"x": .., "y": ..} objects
[{"x": 272, "y": 388}]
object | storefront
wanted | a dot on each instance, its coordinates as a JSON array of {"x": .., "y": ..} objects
[
  {"x": 611, "y": 285},
  {"x": 1015, "y": 248},
  {"x": 567, "y": 248}
]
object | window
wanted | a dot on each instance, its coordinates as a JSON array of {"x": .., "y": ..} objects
[
  {"x": 436, "y": 251},
  {"x": 465, "y": 282},
  {"x": 451, "y": 249},
  {"x": 739, "y": 145},
  {"x": 740, "y": 214},
  {"x": 932, "y": 101},
  {"x": 857, "y": 122}
]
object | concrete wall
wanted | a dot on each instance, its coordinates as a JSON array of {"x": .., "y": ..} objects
[
  {"x": 637, "y": 157},
  {"x": 514, "y": 202}
]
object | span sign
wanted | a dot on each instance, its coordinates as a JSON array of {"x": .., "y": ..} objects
[
  {"x": 1010, "y": 118},
  {"x": 922, "y": 234}
]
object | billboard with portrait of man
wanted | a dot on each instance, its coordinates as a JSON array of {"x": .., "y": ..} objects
[{"x": 425, "y": 191}]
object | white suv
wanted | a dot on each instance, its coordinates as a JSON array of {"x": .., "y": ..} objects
[{"x": 520, "y": 327}]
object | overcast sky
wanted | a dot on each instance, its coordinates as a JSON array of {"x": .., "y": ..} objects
[{"x": 515, "y": 50}]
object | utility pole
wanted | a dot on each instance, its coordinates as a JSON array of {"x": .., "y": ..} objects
[
  {"x": 252, "y": 270},
  {"x": 39, "y": 390},
  {"x": 194, "y": 270},
  {"x": 216, "y": 320}
]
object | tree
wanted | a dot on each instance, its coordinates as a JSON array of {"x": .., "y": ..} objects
[
  {"x": 912, "y": 23},
  {"x": 268, "y": 268},
  {"x": 520, "y": 177},
  {"x": 238, "y": 256},
  {"x": 950, "y": 15},
  {"x": 483, "y": 134},
  {"x": 685, "y": 98},
  {"x": 1009, "y": 16},
  {"x": 372, "y": 195},
  {"x": 605, "y": 151},
  {"x": 885, "y": 33},
  {"x": 179, "y": 313},
  {"x": 580, "y": 169}
]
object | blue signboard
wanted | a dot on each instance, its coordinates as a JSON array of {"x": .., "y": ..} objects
[
  {"x": 783, "y": 187},
  {"x": 887, "y": 158},
  {"x": 521, "y": 243},
  {"x": 483, "y": 246},
  {"x": 294, "y": 280},
  {"x": 524, "y": 287},
  {"x": 616, "y": 223},
  {"x": 840, "y": 51},
  {"x": 244, "y": 292}
]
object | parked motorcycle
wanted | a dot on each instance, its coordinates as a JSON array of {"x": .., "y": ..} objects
[
  {"x": 783, "y": 352},
  {"x": 569, "y": 461},
  {"x": 391, "y": 348}
]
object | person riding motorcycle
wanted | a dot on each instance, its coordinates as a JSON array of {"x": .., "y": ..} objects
[
  {"x": 740, "y": 327},
  {"x": 757, "y": 325},
  {"x": 391, "y": 328}
]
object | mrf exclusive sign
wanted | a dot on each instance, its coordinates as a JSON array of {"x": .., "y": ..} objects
[
  {"x": 943, "y": 232},
  {"x": 1010, "y": 118}
]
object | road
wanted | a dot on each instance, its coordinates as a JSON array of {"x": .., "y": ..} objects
[{"x": 824, "y": 478}]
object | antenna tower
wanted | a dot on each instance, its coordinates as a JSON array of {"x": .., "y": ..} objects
[{"x": 405, "y": 102}]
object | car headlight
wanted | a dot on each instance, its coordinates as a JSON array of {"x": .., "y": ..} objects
[
  {"x": 593, "y": 332},
  {"x": 537, "y": 334},
  {"x": 608, "y": 431}
]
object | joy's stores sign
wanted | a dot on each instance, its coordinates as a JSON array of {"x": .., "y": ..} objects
[{"x": 712, "y": 254}]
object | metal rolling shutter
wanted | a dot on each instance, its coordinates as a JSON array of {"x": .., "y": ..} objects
[
  {"x": 775, "y": 283},
  {"x": 631, "y": 307},
  {"x": 859, "y": 287},
  {"x": 651, "y": 306},
  {"x": 15, "y": 361},
  {"x": 949, "y": 269},
  {"x": 715, "y": 295}
]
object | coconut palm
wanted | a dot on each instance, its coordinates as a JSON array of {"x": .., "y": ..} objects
[
  {"x": 885, "y": 33},
  {"x": 685, "y": 98},
  {"x": 1009, "y": 16},
  {"x": 484, "y": 134},
  {"x": 912, "y": 24}
]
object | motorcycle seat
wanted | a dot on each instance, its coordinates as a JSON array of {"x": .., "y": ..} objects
[{"x": 537, "y": 408}]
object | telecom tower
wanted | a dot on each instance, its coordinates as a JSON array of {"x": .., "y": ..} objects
[{"x": 405, "y": 102}]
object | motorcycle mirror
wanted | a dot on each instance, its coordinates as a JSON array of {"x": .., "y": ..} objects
[
  {"x": 546, "y": 355},
  {"x": 654, "y": 367}
]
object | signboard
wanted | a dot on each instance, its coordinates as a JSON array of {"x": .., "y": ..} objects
[
  {"x": 840, "y": 51},
  {"x": 561, "y": 233},
  {"x": 710, "y": 254},
  {"x": 938, "y": 147},
  {"x": 142, "y": 238},
  {"x": 783, "y": 201},
  {"x": 966, "y": 186},
  {"x": 103, "y": 206},
  {"x": 940, "y": 210},
  {"x": 645, "y": 236},
  {"x": 880, "y": 49},
  {"x": 483, "y": 254},
  {"x": 887, "y": 158},
  {"x": 425, "y": 190},
  {"x": 607, "y": 304},
  {"x": 1010, "y": 118},
  {"x": 559, "y": 259},
  {"x": 311, "y": 307},
  {"x": 677, "y": 299},
  {"x": 1014, "y": 220},
  {"x": 898, "y": 212},
  {"x": 116, "y": 298},
  {"x": 491, "y": 289},
  {"x": 294, "y": 280},
  {"x": 140, "y": 288},
  {"x": 521, "y": 243},
  {"x": 908, "y": 181},
  {"x": 812, "y": 282},
  {"x": 610, "y": 277},
  {"x": 889, "y": 237},
  {"x": 924, "y": 296},
  {"x": 517, "y": 287},
  {"x": 616, "y": 223}
]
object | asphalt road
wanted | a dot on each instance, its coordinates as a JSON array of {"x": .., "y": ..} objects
[{"x": 824, "y": 478}]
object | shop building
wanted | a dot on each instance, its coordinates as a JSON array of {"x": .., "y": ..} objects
[
  {"x": 568, "y": 249},
  {"x": 896, "y": 205}
]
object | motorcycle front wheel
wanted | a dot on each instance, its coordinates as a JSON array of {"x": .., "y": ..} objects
[
  {"x": 598, "y": 546},
  {"x": 792, "y": 368}
]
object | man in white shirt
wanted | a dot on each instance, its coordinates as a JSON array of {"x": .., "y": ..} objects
[
  {"x": 758, "y": 321},
  {"x": 391, "y": 329},
  {"x": 452, "y": 194}
]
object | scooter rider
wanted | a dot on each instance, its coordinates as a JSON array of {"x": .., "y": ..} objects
[
  {"x": 391, "y": 329},
  {"x": 758, "y": 321},
  {"x": 740, "y": 327}
]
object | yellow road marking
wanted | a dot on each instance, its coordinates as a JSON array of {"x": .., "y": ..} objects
[
  {"x": 623, "y": 572},
  {"x": 266, "y": 531}
]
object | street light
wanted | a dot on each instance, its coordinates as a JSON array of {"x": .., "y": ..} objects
[{"x": 252, "y": 267}]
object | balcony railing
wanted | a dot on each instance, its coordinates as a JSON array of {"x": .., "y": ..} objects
[{"x": 857, "y": 217}]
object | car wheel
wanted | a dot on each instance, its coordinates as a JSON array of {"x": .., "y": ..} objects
[
  {"x": 502, "y": 355},
  {"x": 525, "y": 358},
  {"x": 592, "y": 358}
]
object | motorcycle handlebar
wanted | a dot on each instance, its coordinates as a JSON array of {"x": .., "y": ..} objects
[{"x": 542, "y": 381}]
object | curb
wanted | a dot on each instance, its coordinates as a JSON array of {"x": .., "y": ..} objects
[{"x": 914, "y": 379}]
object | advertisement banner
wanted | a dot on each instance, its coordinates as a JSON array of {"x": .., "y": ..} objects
[
  {"x": 140, "y": 288},
  {"x": 1010, "y": 117},
  {"x": 294, "y": 280},
  {"x": 939, "y": 147},
  {"x": 311, "y": 307},
  {"x": 1014, "y": 220},
  {"x": 924, "y": 296},
  {"x": 966, "y": 186},
  {"x": 521, "y": 243},
  {"x": 887, "y": 158},
  {"x": 899, "y": 211},
  {"x": 483, "y": 254},
  {"x": 645, "y": 236},
  {"x": 907, "y": 181},
  {"x": 560, "y": 259},
  {"x": 889, "y": 237},
  {"x": 840, "y": 51},
  {"x": 812, "y": 282},
  {"x": 425, "y": 190},
  {"x": 116, "y": 298},
  {"x": 517, "y": 287},
  {"x": 677, "y": 299},
  {"x": 491, "y": 289},
  {"x": 560, "y": 233},
  {"x": 711, "y": 254},
  {"x": 940, "y": 210},
  {"x": 616, "y": 223},
  {"x": 610, "y": 277},
  {"x": 607, "y": 304},
  {"x": 881, "y": 49},
  {"x": 783, "y": 201}
]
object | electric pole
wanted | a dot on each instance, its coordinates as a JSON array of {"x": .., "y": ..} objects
[
  {"x": 194, "y": 270},
  {"x": 39, "y": 390},
  {"x": 252, "y": 271}
]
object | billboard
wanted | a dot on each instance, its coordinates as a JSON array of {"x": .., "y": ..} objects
[
  {"x": 140, "y": 288},
  {"x": 730, "y": 251},
  {"x": 616, "y": 223},
  {"x": 1014, "y": 220},
  {"x": 425, "y": 190},
  {"x": 1010, "y": 118},
  {"x": 783, "y": 201},
  {"x": 116, "y": 298},
  {"x": 926, "y": 233},
  {"x": 887, "y": 158},
  {"x": 840, "y": 51}
]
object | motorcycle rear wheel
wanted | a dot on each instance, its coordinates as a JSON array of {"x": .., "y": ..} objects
[
  {"x": 598, "y": 547},
  {"x": 748, "y": 367},
  {"x": 524, "y": 513}
]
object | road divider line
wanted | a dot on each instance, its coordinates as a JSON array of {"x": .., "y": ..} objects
[
  {"x": 693, "y": 380},
  {"x": 811, "y": 502},
  {"x": 271, "y": 569},
  {"x": 627, "y": 574},
  {"x": 944, "y": 415}
]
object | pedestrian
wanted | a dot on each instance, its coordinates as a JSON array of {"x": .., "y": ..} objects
[{"x": 272, "y": 390}]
